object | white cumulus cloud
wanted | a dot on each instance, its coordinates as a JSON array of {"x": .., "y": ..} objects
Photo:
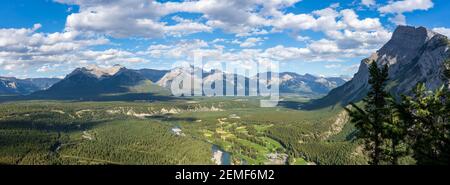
[
  {"x": 443, "y": 30},
  {"x": 368, "y": 3},
  {"x": 402, "y": 6},
  {"x": 26, "y": 48},
  {"x": 406, "y": 6},
  {"x": 251, "y": 42}
]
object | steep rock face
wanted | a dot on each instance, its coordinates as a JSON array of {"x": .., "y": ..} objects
[{"x": 413, "y": 55}]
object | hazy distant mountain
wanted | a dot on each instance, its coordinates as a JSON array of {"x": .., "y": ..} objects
[
  {"x": 11, "y": 85},
  {"x": 413, "y": 55},
  {"x": 207, "y": 77},
  {"x": 307, "y": 84},
  {"x": 171, "y": 75},
  {"x": 290, "y": 83}
]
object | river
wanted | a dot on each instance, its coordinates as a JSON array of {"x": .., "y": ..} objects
[{"x": 220, "y": 157}]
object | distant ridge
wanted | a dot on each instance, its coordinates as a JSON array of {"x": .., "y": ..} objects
[
  {"x": 307, "y": 84},
  {"x": 14, "y": 86}
]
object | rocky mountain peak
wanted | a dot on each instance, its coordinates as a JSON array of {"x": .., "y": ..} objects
[
  {"x": 97, "y": 71},
  {"x": 411, "y": 33},
  {"x": 406, "y": 41},
  {"x": 101, "y": 71}
]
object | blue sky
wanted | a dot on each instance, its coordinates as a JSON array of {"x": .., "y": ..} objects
[{"x": 45, "y": 38}]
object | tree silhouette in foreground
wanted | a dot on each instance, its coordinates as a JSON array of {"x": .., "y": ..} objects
[{"x": 370, "y": 121}]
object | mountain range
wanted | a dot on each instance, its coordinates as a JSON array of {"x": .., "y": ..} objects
[{"x": 93, "y": 81}]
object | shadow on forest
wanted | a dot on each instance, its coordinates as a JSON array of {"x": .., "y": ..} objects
[
  {"x": 49, "y": 127},
  {"x": 170, "y": 118},
  {"x": 113, "y": 97},
  {"x": 135, "y": 97},
  {"x": 291, "y": 104},
  {"x": 307, "y": 106}
]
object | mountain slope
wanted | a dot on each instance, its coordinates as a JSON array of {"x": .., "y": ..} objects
[
  {"x": 413, "y": 55},
  {"x": 152, "y": 74}
]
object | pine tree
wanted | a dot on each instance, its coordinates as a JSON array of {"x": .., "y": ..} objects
[
  {"x": 370, "y": 121},
  {"x": 396, "y": 132},
  {"x": 429, "y": 114}
]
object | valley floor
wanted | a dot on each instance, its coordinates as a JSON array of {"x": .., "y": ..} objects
[{"x": 184, "y": 131}]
